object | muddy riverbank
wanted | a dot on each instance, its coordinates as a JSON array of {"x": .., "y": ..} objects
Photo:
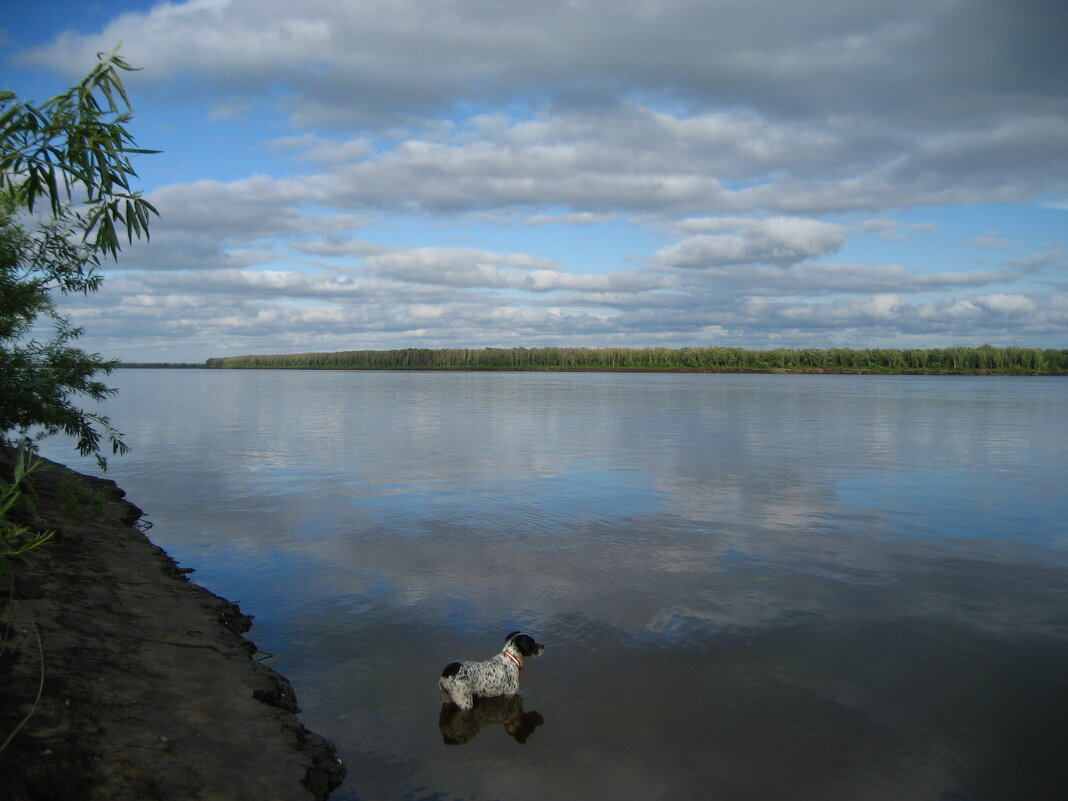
[{"x": 150, "y": 690}]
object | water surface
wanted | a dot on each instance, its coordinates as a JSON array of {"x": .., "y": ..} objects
[{"x": 750, "y": 586}]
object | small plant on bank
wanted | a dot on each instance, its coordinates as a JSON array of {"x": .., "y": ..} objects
[
  {"x": 76, "y": 494},
  {"x": 17, "y": 539}
]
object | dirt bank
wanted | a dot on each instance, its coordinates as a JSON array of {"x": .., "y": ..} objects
[{"x": 150, "y": 690}]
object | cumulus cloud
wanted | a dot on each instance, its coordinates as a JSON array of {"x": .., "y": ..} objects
[
  {"x": 781, "y": 241},
  {"x": 1007, "y": 304},
  {"x": 462, "y": 267},
  {"x": 891, "y": 230}
]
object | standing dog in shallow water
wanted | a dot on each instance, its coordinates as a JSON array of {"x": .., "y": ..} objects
[{"x": 462, "y": 682}]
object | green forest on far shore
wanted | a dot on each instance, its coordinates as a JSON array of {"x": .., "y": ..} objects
[{"x": 986, "y": 359}]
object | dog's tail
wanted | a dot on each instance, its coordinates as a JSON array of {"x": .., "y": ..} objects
[{"x": 450, "y": 670}]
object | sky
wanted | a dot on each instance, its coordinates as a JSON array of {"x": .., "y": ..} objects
[{"x": 376, "y": 174}]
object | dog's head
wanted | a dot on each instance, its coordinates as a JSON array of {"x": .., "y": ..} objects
[{"x": 523, "y": 644}]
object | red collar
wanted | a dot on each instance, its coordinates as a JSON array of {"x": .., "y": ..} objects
[{"x": 514, "y": 658}]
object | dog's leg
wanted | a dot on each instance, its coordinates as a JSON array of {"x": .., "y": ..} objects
[{"x": 455, "y": 693}]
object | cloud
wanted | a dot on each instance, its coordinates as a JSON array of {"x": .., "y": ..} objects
[
  {"x": 1052, "y": 257},
  {"x": 991, "y": 241},
  {"x": 681, "y": 107},
  {"x": 600, "y": 162},
  {"x": 890, "y": 230},
  {"x": 781, "y": 241},
  {"x": 968, "y": 317},
  {"x": 473, "y": 172},
  {"x": 579, "y": 218},
  {"x": 211, "y": 225},
  {"x": 461, "y": 267},
  {"x": 399, "y": 56},
  {"x": 482, "y": 269},
  {"x": 1007, "y": 304}
]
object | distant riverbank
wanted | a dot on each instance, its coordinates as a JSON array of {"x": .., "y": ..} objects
[{"x": 984, "y": 360}]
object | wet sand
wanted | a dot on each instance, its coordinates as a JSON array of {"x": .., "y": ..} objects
[{"x": 150, "y": 691}]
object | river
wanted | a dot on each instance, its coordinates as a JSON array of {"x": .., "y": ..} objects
[{"x": 749, "y": 586}]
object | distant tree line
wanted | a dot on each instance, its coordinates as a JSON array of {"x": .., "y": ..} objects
[
  {"x": 984, "y": 359},
  {"x": 168, "y": 365}
]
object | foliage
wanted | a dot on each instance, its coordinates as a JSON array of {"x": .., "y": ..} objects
[
  {"x": 65, "y": 195},
  {"x": 986, "y": 359},
  {"x": 15, "y": 538},
  {"x": 76, "y": 494}
]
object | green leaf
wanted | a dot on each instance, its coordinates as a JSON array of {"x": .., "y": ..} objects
[{"x": 70, "y": 156}]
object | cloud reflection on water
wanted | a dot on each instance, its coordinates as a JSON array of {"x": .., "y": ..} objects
[{"x": 751, "y": 586}]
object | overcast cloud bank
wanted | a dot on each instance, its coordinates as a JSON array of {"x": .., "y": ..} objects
[{"x": 468, "y": 174}]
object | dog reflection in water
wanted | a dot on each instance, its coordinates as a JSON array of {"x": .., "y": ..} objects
[{"x": 459, "y": 726}]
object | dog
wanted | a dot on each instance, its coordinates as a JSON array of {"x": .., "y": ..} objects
[{"x": 462, "y": 682}]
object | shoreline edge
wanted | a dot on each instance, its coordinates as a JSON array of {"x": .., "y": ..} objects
[{"x": 148, "y": 688}]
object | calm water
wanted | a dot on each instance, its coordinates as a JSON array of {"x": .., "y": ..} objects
[{"x": 750, "y": 587}]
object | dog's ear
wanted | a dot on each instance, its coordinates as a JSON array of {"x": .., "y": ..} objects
[{"x": 508, "y": 639}]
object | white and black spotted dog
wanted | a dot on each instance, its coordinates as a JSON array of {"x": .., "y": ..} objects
[{"x": 462, "y": 682}]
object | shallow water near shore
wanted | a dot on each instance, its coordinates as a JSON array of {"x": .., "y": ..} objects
[{"x": 749, "y": 586}]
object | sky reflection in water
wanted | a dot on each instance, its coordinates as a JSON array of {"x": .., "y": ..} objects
[{"x": 749, "y": 586}]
